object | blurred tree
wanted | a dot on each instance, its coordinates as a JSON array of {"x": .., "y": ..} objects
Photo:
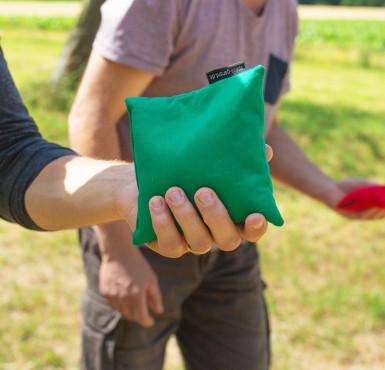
[{"x": 78, "y": 47}]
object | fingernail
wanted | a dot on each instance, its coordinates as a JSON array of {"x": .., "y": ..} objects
[
  {"x": 175, "y": 196},
  {"x": 206, "y": 198},
  {"x": 157, "y": 203},
  {"x": 257, "y": 226}
]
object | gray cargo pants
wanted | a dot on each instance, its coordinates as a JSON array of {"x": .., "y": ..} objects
[{"x": 213, "y": 304}]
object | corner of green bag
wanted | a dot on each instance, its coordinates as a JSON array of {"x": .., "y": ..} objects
[
  {"x": 278, "y": 220},
  {"x": 261, "y": 69}
]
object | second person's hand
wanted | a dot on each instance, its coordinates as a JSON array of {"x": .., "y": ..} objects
[{"x": 127, "y": 281}]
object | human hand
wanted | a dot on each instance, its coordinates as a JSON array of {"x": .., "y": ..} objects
[
  {"x": 336, "y": 193},
  {"x": 197, "y": 236},
  {"x": 129, "y": 284}
]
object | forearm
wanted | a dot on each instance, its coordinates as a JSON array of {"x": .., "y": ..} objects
[
  {"x": 93, "y": 133},
  {"x": 290, "y": 166},
  {"x": 99, "y": 104},
  {"x": 74, "y": 191},
  {"x": 93, "y": 138}
]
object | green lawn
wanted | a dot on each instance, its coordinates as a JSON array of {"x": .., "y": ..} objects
[{"x": 326, "y": 275}]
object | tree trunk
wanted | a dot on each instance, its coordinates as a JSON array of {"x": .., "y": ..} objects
[{"x": 78, "y": 47}]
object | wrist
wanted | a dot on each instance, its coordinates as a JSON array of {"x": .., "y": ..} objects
[
  {"x": 114, "y": 240},
  {"x": 126, "y": 196},
  {"x": 329, "y": 194},
  {"x": 118, "y": 252},
  {"x": 112, "y": 191}
]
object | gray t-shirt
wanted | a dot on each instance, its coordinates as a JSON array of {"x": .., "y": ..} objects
[
  {"x": 23, "y": 152},
  {"x": 180, "y": 40}
]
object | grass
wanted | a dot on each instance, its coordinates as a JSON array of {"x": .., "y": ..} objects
[
  {"x": 343, "y": 42},
  {"x": 39, "y": 23},
  {"x": 325, "y": 274},
  {"x": 343, "y": 33},
  {"x": 32, "y": 77}
]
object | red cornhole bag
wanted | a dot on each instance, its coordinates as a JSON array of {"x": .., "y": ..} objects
[{"x": 362, "y": 198}]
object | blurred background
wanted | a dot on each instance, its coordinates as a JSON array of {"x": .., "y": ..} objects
[{"x": 325, "y": 275}]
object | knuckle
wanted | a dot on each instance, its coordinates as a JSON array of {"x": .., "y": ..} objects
[
  {"x": 231, "y": 242},
  {"x": 169, "y": 251},
  {"x": 203, "y": 245},
  {"x": 207, "y": 244},
  {"x": 176, "y": 254}
]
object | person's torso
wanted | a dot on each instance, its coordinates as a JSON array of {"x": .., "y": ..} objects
[{"x": 217, "y": 33}]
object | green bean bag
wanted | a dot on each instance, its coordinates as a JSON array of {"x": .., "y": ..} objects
[{"x": 211, "y": 137}]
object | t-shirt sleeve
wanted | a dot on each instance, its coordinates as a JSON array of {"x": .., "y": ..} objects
[
  {"x": 23, "y": 152},
  {"x": 138, "y": 33}
]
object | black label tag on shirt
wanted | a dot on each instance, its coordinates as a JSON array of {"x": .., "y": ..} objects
[{"x": 224, "y": 72}]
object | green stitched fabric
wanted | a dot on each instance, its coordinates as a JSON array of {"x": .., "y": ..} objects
[{"x": 211, "y": 137}]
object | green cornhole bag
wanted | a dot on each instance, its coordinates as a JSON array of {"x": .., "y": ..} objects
[{"x": 211, "y": 137}]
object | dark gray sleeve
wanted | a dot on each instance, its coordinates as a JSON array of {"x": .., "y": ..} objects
[{"x": 23, "y": 152}]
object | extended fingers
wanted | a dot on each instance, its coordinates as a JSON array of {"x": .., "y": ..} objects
[
  {"x": 141, "y": 313},
  {"x": 170, "y": 242},
  {"x": 133, "y": 308},
  {"x": 223, "y": 230},
  {"x": 195, "y": 232},
  {"x": 154, "y": 298},
  {"x": 196, "y": 235}
]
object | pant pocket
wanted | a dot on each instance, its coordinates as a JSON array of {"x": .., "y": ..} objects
[{"x": 99, "y": 333}]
